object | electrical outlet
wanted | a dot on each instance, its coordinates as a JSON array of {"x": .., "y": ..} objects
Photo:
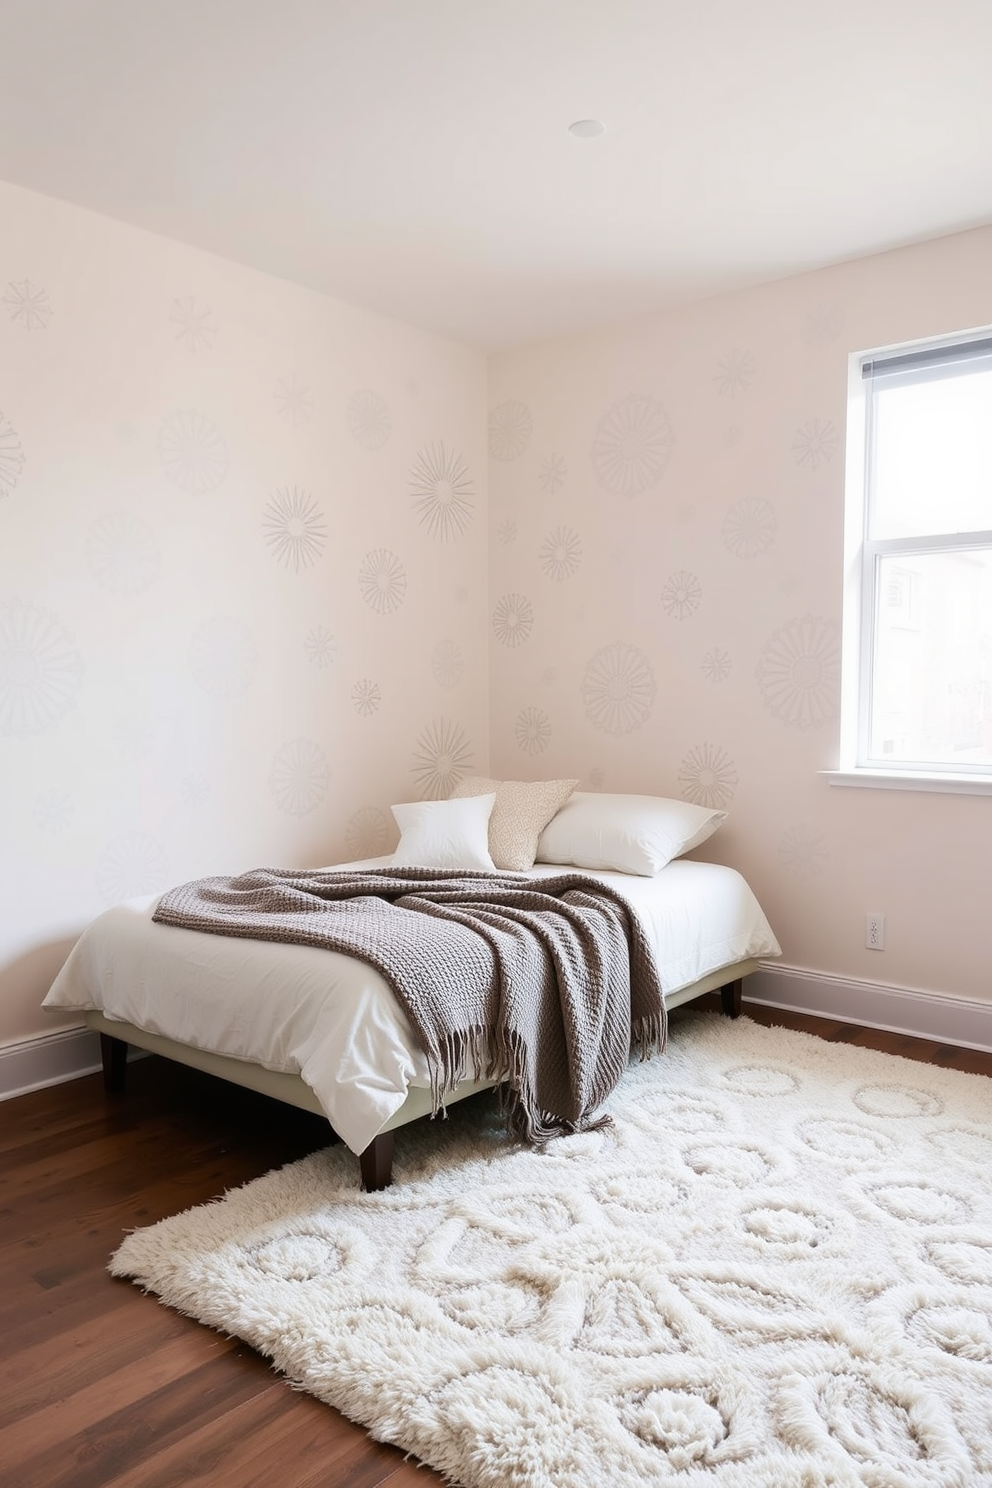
[{"x": 875, "y": 932}]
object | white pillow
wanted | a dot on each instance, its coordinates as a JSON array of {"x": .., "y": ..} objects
[
  {"x": 444, "y": 834},
  {"x": 629, "y": 834}
]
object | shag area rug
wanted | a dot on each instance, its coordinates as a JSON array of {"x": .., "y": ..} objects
[{"x": 774, "y": 1270}]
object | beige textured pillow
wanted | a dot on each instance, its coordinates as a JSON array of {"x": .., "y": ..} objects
[{"x": 523, "y": 809}]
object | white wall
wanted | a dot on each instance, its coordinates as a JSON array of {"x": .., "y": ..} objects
[
  {"x": 667, "y": 502},
  {"x": 229, "y": 634}
]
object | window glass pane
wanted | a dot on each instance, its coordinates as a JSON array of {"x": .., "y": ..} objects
[
  {"x": 932, "y": 451},
  {"x": 932, "y": 675}
]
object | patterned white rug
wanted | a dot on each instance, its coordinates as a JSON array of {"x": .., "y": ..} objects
[{"x": 773, "y": 1270}]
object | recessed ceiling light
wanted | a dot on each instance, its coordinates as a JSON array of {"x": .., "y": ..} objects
[{"x": 586, "y": 128}]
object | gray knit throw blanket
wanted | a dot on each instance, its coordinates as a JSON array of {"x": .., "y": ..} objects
[{"x": 543, "y": 986}]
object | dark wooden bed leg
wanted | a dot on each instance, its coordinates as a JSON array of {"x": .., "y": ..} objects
[
  {"x": 377, "y": 1163},
  {"x": 113, "y": 1052},
  {"x": 730, "y": 998}
]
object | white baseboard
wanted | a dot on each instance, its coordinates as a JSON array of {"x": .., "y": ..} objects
[
  {"x": 930, "y": 1015},
  {"x": 48, "y": 1060},
  {"x": 34, "y": 1063}
]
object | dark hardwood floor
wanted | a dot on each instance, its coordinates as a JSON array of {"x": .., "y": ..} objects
[{"x": 100, "y": 1387}]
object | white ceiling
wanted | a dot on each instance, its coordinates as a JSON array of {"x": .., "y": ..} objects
[{"x": 412, "y": 156}]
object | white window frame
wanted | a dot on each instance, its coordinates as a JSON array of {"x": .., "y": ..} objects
[{"x": 862, "y": 557}]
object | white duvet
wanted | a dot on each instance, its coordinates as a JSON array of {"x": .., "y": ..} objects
[{"x": 333, "y": 1019}]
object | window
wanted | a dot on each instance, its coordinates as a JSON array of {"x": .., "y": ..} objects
[{"x": 918, "y": 598}]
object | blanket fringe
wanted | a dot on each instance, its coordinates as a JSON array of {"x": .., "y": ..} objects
[
  {"x": 469, "y": 1055},
  {"x": 649, "y": 1035},
  {"x": 465, "y": 1054}
]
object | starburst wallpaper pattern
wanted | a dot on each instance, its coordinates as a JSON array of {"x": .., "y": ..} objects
[
  {"x": 40, "y": 669},
  {"x": 293, "y": 400},
  {"x": 382, "y": 580},
  {"x": 513, "y": 619},
  {"x": 369, "y": 419},
  {"x": 442, "y": 490},
  {"x": 441, "y": 756},
  {"x": 681, "y": 594},
  {"x": 822, "y": 324},
  {"x": 717, "y": 665},
  {"x": 561, "y": 553},
  {"x": 749, "y": 527},
  {"x": 815, "y": 443},
  {"x": 193, "y": 324},
  {"x": 366, "y": 697},
  {"x": 53, "y": 811},
  {"x": 448, "y": 663},
  {"x": 533, "y": 730},
  {"x": 803, "y": 851},
  {"x": 510, "y": 430},
  {"x": 632, "y": 445},
  {"x": 294, "y": 527},
  {"x": 122, "y": 553},
  {"x": 798, "y": 672},
  {"x": 194, "y": 789},
  {"x": 735, "y": 373},
  {"x": 708, "y": 776},
  {"x": 130, "y": 865},
  {"x": 618, "y": 688},
  {"x": 299, "y": 776},
  {"x": 193, "y": 452},
  {"x": 320, "y": 646},
  {"x": 11, "y": 456},
  {"x": 368, "y": 833},
  {"x": 27, "y": 305},
  {"x": 552, "y": 473}
]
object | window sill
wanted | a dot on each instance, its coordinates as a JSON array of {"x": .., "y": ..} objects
[{"x": 962, "y": 785}]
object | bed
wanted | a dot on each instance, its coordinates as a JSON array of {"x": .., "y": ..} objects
[{"x": 323, "y": 1031}]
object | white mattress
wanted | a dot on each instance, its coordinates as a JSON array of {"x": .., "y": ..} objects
[{"x": 333, "y": 1019}]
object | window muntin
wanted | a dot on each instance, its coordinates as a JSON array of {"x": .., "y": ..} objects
[{"x": 925, "y": 699}]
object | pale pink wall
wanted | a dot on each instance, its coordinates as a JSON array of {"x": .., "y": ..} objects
[
  {"x": 666, "y": 520},
  {"x": 240, "y": 611},
  {"x": 160, "y": 663}
]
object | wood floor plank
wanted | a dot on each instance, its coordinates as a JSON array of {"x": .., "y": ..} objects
[
  {"x": 44, "y": 1114},
  {"x": 93, "y": 1453},
  {"x": 280, "y": 1437},
  {"x": 53, "y": 1367},
  {"x": 971, "y": 1061},
  {"x": 75, "y": 1401},
  {"x": 409, "y": 1474}
]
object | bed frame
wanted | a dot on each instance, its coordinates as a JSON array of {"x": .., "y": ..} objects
[{"x": 377, "y": 1160}]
